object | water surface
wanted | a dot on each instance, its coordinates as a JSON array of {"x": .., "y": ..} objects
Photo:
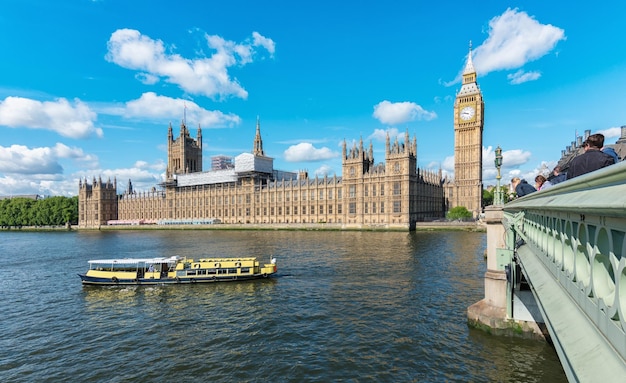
[{"x": 345, "y": 306}]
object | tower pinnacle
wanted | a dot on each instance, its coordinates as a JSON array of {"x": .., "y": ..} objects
[{"x": 258, "y": 142}]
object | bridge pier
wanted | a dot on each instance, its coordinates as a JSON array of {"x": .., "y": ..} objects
[{"x": 494, "y": 313}]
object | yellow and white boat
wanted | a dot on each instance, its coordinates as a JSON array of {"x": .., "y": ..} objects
[{"x": 154, "y": 271}]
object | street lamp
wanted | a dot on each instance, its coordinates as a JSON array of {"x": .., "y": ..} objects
[{"x": 497, "y": 195}]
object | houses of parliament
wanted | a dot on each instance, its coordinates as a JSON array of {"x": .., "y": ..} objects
[{"x": 393, "y": 194}]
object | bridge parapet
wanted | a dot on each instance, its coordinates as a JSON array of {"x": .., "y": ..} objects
[{"x": 577, "y": 231}]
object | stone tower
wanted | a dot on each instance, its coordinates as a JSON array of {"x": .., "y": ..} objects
[
  {"x": 468, "y": 142},
  {"x": 97, "y": 202},
  {"x": 184, "y": 154},
  {"x": 356, "y": 162},
  {"x": 401, "y": 170}
]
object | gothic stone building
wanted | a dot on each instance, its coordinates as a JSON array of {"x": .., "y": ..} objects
[{"x": 394, "y": 194}]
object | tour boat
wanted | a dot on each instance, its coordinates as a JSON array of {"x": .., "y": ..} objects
[{"x": 156, "y": 271}]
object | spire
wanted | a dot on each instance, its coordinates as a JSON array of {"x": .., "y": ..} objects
[
  {"x": 469, "y": 65},
  {"x": 183, "y": 129},
  {"x": 469, "y": 76},
  {"x": 199, "y": 137},
  {"x": 406, "y": 139},
  {"x": 258, "y": 142}
]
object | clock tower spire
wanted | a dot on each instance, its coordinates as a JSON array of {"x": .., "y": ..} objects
[{"x": 468, "y": 142}]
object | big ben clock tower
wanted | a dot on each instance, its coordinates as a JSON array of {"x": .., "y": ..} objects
[{"x": 468, "y": 142}]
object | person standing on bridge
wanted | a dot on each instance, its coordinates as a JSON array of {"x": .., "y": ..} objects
[
  {"x": 542, "y": 183},
  {"x": 592, "y": 159},
  {"x": 557, "y": 176},
  {"x": 521, "y": 187},
  {"x": 611, "y": 152}
]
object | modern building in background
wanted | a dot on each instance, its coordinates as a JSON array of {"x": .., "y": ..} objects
[{"x": 222, "y": 162}]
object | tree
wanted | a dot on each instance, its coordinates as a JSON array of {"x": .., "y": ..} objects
[
  {"x": 52, "y": 211},
  {"x": 459, "y": 212},
  {"x": 488, "y": 197}
]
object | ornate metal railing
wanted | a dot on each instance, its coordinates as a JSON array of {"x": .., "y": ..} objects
[{"x": 577, "y": 231}]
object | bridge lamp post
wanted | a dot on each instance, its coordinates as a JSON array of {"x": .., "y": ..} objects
[{"x": 497, "y": 196}]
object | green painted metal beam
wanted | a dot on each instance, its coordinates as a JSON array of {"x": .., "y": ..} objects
[{"x": 585, "y": 353}]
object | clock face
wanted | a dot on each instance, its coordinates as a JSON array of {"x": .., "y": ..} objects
[{"x": 467, "y": 113}]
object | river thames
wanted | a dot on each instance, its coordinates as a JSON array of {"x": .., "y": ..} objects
[{"x": 345, "y": 306}]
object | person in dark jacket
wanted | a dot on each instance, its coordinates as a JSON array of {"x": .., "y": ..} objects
[
  {"x": 611, "y": 152},
  {"x": 522, "y": 187},
  {"x": 557, "y": 176},
  {"x": 592, "y": 159}
]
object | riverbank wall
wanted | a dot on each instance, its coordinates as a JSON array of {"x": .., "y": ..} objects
[{"x": 420, "y": 226}]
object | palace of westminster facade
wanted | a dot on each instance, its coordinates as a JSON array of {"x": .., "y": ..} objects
[{"x": 393, "y": 194}]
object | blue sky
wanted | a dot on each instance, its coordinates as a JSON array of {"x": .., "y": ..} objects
[{"x": 88, "y": 88}]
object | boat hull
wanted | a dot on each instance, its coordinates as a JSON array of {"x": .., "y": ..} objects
[{"x": 87, "y": 280}]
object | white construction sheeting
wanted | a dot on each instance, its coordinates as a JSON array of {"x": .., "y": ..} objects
[
  {"x": 244, "y": 163},
  {"x": 248, "y": 162},
  {"x": 204, "y": 178}
]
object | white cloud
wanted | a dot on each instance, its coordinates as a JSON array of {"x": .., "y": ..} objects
[
  {"x": 259, "y": 40},
  {"x": 159, "y": 165},
  {"x": 380, "y": 135},
  {"x": 19, "y": 159},
  {"x": 400, "y": 112},
  {"x": 611, "y": 132},
  {"x": 324, "y": 170},
  {"x": 305, "y": 151},
  {"x": 147, "y": 78},
  {"x": 510, "y": 158},
  {"x": 520, "y": 77},
  {"x": 447, "y": 166},
  {"x": 69, "y": 120},
  {"x": 515, "y": 38},
  {"x": 49, "y": 185},
  {"x": 151, "y": 105},
  {"x": 205, "y": 76},
  {"x": 515, "y": 157}
]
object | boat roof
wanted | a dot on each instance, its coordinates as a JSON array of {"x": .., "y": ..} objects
[
  {"x": 176, "y": 258},
  {"x": 136, "y": 260}
]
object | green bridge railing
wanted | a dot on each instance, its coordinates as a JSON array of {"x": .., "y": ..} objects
[{"x": 570, "y": 242}]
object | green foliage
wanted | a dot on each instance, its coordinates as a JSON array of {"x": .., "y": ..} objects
[
  {"x": 488, "y": 197},
  {"x": 52, "y": 211},
  {"x": 459, "y": 212}
]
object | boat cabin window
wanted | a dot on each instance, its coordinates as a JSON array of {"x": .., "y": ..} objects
[
  {"x": 230, "y": 270},
  {"x": 114, "y": 266},
  {"x": 245, "y": 270}
]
